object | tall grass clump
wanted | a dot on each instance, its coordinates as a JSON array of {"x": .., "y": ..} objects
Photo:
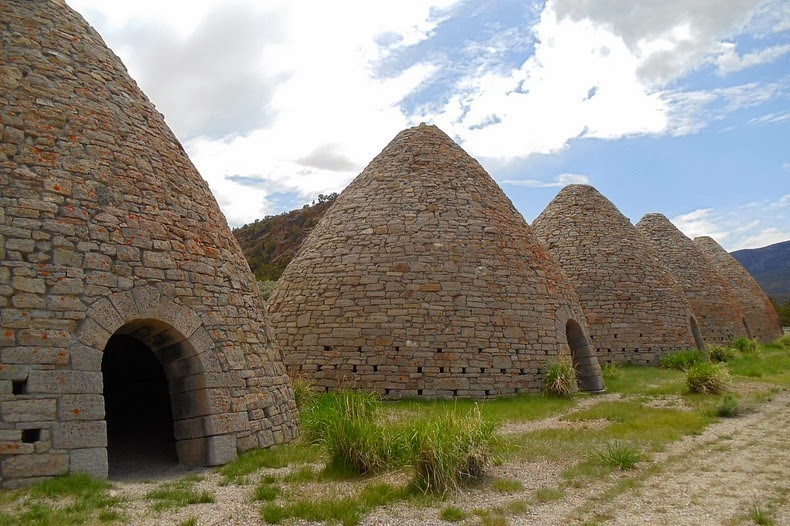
[
  {"x": 784, "y": 341},
  {"x": 720, "y": 354},
  {"x": 450, "y": 450},
  {"x": 346, "y": 425},
  {"x": 682, "y": 360},
  {"x": 707, "y": 378},
  {"x": 560, "y": 379},
  {"x": 745, "y": 345}
]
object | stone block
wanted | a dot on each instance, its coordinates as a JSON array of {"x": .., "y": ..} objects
[
  {"x": 92, "y": 461},
  {"x": 225, "y": 423},
  {"x": 63, "y": 382},
  {"x": 192, "y": 452},
  {"x": 103, "y": 312},
  {"x": 13, "y": 372},
  {"x": 15, "y": 411},
  {"x": 35, "y": 355},
  {"x": 46, "y": 465},
  {"x": 77, "y": 435},
  {"x": 84, "y": 358},
  {"x": 80, "y": 407},
  {"x": 220, "y": 450},
  {"x": 92, "y": 334}
]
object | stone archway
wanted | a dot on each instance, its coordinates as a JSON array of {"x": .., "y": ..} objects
[
  {"x": 588, "y": 371},
  {"x": 698, "y": 341},
  {"x": 198, "y": 387}
]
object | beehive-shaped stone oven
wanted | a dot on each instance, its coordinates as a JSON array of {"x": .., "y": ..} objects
[
  {"x": 113, "y": 251},
  {"x": 760, "y": 318},
  {"x": 423, "y": 280},
  {"x": 718, "y": 312},
  {"x": 635, "y": 309}
]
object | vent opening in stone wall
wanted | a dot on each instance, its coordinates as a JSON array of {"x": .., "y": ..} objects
[
  {"x": 695, "y": 332},
  {"x": 137, "y": 407},
  {"x": 584, "y": 361},
  {"x": 31, "y": 436},
  {"x": 18, "y": 387}
]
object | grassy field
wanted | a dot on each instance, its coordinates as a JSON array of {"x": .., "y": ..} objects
[{"x": 359, "y": 454}]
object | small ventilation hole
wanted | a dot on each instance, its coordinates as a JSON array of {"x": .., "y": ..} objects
[
  {"x": 397, "y": 349},
  {"x": 419, "y": 369},
  {"x": 29, "y": 436},
  {"x": 18, "y": 387},
  {"x": 502, "y": 371},
  {"x": 441, "y": 369},
  {"x": 463, "y": 370},
  {"x": 375, "y": 368},
  {"x": 439, "y": 350},
  {"x": 455, "y": 392},
  {"x": 419, "y": 392},
  {"x": 327, "y": 347},
  {"x": 479, "y": 349}
]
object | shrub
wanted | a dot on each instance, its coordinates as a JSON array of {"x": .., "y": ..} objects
[
  {"x": 449, "y": 450},
  {"x": 707, "y": 378},
  {"x": 720, "y": 354},
  {"x": 729, "y": 406},
  {"x": 784, "y": 341},
  {"x": 682, "y": 360},
  {"x": 560, "y": 378},
  {"x": 619, "y": 455},
  {"x": 745, "y": 345}
]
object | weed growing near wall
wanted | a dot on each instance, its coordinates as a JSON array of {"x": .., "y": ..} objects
[{"x": 560, "y": 378}]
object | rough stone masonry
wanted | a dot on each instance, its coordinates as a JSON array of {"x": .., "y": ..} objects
[
  {"x": 635, "y": 308},
  {"x": 423, "y": 280},
  {"x": 760, "y": 316},
  {"x": 716, "y": 308},
  {"x": 106, "y": 228}
]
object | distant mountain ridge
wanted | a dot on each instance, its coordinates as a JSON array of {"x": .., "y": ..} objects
[
  {"x": 770, "y": 266},
  {"x": 270, "y": 243}
]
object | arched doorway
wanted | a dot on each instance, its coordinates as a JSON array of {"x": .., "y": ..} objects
[
  {"x": 137, "y": 408},
  {"x": 698, "y": 341},
  {"x": 746, "y": 326},
  {"x": 588, "y": 371}
]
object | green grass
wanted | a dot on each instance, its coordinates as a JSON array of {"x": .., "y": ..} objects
[
  {"x": 506, "y": 485},
  {"x": 651, "y": 381},
  {"x": 770, "y": 365},
  {"x": 619, "y": 455},
  {"x": 450, "y": 450},
  {"x": 544, "y": 495},
  {"x": 452, "y": 514},
  {"x": 346, "y": 511},
  {"x": 178, "y": 494},
  {"x": 560, "y": 378},
  {"x": 236, "y": 471},
  {"x": 520, "y": 408},
  {"x": 707, "y": 378},
  {"x": 682, "y": 360},
  {"x": 66, "y": 500}
]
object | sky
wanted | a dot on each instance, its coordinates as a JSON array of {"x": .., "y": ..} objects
[{"x": 674, "y": 106}]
